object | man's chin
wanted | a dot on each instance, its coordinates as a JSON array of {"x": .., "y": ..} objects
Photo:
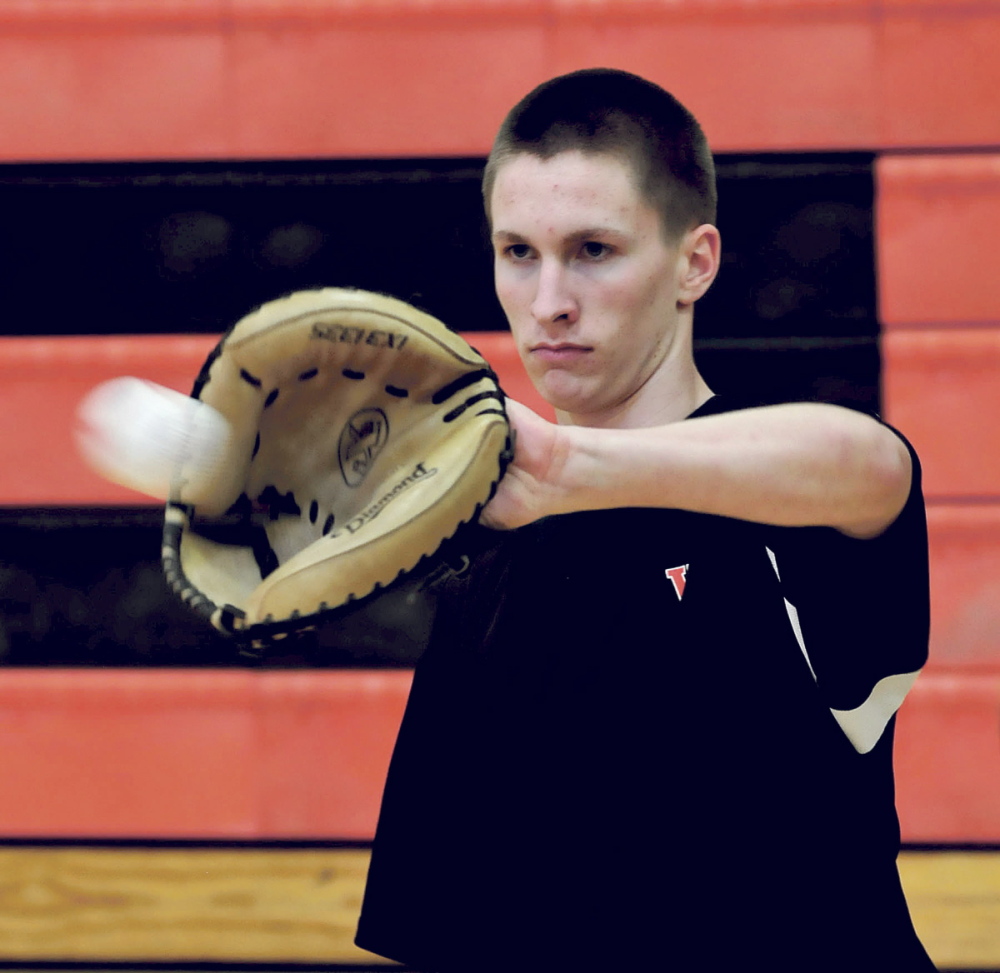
[
  {"x": 579, "y": 406},
  {"x": 565, "y": 392}
]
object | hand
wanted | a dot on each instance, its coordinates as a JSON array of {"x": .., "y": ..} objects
[{"x": 530, "y": 488}]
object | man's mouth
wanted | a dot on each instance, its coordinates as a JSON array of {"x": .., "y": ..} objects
[{"x": 560, "y": 352}]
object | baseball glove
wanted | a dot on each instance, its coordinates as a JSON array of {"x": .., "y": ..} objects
[{"x": 365, "y": 434}]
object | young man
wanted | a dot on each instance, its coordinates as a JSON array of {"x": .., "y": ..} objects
[{"x": 653, "y": 728}]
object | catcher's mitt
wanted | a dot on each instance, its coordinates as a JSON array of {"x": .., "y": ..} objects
[{"x": 365, "y": 433}]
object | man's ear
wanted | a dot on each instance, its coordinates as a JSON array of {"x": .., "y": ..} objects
[{"x": 701, "y": 250}]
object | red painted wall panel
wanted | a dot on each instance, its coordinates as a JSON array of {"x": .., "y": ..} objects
[
  {"x": 942, "y": 389},
  {"x": 129, "y": 753},
  {"x": 939, "y": 74},
  {"x": 756, "y": 83},
  {"x": 936, "y": 220},
  {"x": 115, "y": 94},
  {"x": 378, "y": 90},
  {"x": 965, "y": 586},
  {"x": 323, "y": 750},
  {"x": 145, "y": 79},
  {"x": 175, "y": 754},
  {"x": 947, "y": 759},
  {"x": 192, "y": 754}
]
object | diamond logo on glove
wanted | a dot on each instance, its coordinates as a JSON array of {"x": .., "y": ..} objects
[{"x": 362, "y": 439}]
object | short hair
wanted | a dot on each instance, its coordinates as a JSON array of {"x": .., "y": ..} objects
[{"x": 607, "y": 111}]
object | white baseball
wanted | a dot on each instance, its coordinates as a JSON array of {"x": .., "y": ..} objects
[{"x": 153, "y": 439}]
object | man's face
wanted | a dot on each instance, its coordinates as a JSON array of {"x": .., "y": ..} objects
[{"x": 588, "y": 282}]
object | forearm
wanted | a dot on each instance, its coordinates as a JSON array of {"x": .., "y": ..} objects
[{"x": 791, "y": 465}]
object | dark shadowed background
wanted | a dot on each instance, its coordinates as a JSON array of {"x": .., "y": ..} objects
[{"x": 178, "y": 248}]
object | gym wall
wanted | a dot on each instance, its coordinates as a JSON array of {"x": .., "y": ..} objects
[{"x": 204, "y": 144}]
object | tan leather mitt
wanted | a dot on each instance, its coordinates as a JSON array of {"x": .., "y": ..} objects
[{"x": 365, "y": 434}]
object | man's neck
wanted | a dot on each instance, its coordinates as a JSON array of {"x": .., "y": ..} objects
[{"x": 650, "y": 406}]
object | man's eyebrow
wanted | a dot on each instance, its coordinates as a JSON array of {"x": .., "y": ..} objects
[
  {"x": 507, "y": 235},
  {"x": 589, "y": 232},
  {"x": 577, "y": 236}
]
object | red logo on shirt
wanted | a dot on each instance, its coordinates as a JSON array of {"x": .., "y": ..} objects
[{"x": 678, "y": 578}]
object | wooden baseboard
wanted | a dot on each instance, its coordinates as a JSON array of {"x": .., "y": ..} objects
[
  {"x": 300, "y": 905},
  {"x": 233, "y": 905},
  {"x": 954, "y": 899}
]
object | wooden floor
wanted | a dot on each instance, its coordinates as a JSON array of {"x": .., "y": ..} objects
[
  {"x": 954, "y": 899},
  {"x": 299, "y": 906},
  {"x": 183, "y": 905}
]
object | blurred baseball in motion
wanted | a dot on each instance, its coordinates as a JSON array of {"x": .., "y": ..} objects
[{"x": 152, "y": 439}]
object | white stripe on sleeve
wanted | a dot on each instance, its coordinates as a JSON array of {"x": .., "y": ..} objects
[{"x": 865, "y": 724}]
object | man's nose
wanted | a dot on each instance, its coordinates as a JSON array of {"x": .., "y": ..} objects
[{"x": 554, "y": 302}]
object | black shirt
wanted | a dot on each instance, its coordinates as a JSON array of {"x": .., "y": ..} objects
[{"x": 654, "y": 737}]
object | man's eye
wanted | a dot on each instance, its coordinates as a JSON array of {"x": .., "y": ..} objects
[
  {"x": 518, "y": 251},
  {"x": 594, "y": 250}
]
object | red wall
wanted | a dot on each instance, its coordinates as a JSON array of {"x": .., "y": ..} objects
[
  {"x": 155, "y": 79},
  {"x": 913, "y": 80}
]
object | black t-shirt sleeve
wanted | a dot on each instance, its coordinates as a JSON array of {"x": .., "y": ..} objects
[{"x": 863, "y": 606}]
